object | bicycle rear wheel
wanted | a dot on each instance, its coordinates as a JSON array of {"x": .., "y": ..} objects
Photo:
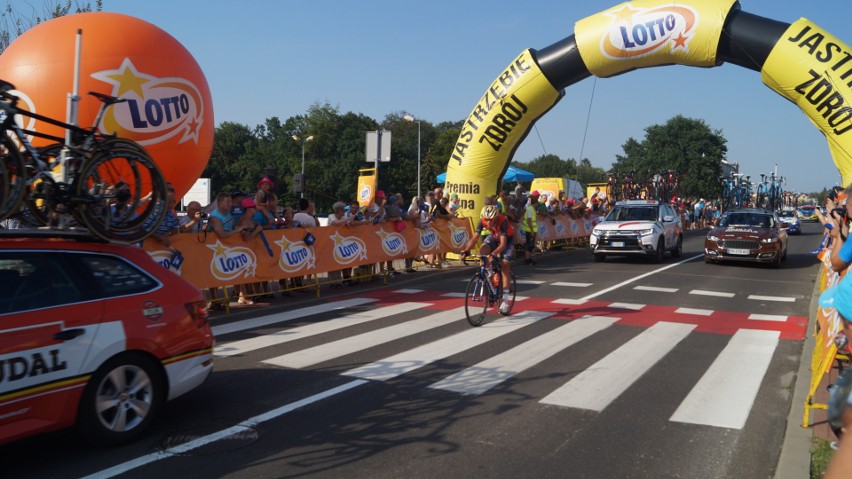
[
  {"x": 509, "y": 296},
  {"x": 97, "y": 188},
  {"x": 13, "y": 179},
  {"x": 476, "y": 300},
  {"x": 41, "y": 192}
]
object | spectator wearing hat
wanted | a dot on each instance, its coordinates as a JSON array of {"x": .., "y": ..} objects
[
  {"x": 840, "y": 298},
  {"x": 237, "y": 210},
  {"x": 454, "y": 205},
  {"x": 264, "y": 187}
]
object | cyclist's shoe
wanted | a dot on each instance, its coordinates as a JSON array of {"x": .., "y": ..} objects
[{"x": 504, "y": 307}]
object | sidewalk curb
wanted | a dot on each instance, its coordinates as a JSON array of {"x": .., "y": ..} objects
[{"x": 795, "y": 459}]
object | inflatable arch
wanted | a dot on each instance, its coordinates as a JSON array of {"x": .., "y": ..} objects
[{"x": 800, "y": 61}]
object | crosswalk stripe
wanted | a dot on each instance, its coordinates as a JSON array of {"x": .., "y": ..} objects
[
  {"x": 575, "y": 302},
  {"x": 656, "y": 289},
  {"x": 633, "y": 306},
  {"x": 768, "y": 317},
  {"x": 600, "y": 384},
  {"x": 699, "y": 312},
  {"x": 723, "y": 399},
  {"x": 783, "y": 299},
  {"x": 717, "y": 294},
  {"x": 573, "y": 285},
  {"x": 409, "y": 291},
  {"x": 528, "y": 281},
  {"x": 292, "y": 334},
  {"x": 483, "y": 376},
  {"x": 407, "y": 361},
  {"x": 288, "y": 315},
  {"x": 454, "y": 295},
  {"x": 342, "y": 347}
]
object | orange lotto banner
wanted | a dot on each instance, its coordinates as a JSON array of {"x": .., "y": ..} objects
[{"x": 209, "y": 261}]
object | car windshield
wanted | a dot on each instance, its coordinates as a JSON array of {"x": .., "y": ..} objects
[
  {"x": 643, "y": 213},
  {"x": 748, "y": 219},
  {"x": 787, "y": 214},
  {"x": 807, "y": 209}
]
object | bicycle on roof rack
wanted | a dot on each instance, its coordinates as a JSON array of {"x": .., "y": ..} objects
[{"x": 109, "y": 185}]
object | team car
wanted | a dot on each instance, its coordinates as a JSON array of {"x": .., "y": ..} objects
[
  {"x": 747, "y": 235},
  {"x": 808, "y": 213},
  {"x": 95, "y": 335},
  {"x": 790, "y": 220},
  {"x": 638, "y": 227}
]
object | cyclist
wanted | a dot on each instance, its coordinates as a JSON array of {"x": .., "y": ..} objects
[{"x": 500, "y": 243}]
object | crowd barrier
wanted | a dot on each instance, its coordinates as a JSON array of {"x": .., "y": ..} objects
[
  {"x": 826, "y": 327},
  {"x": 208, "y": 261}
]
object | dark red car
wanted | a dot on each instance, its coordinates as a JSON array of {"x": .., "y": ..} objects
[{"x": 747, "y": 235}]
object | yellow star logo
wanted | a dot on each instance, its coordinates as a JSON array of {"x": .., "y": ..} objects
[
  {"x": 129, "y": 80},
  {"x": 218, "y": 248},
  {"x": 623, "y": 14}
]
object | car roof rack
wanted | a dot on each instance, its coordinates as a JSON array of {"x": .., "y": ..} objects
[{"x": 79, "y": 234}]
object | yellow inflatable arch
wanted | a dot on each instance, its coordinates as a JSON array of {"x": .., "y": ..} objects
[{"x": 800, "y": 61}]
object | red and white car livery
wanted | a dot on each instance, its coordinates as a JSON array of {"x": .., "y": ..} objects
[
  {"x": 96, "y": 335},
  {"x": 638, "y": 227}
]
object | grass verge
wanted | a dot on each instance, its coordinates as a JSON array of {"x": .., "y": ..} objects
[{"x": 821, "y": 454}]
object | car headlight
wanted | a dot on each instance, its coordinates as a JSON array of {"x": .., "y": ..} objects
[
  {"x": 774, "y": 239},
  {"x": 646, "y": 232},
  {"x": 597, "y": 233},
  {"x": 713, "y": 238}
]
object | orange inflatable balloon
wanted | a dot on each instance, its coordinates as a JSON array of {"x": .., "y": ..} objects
[{"x": 169, "y": 109}]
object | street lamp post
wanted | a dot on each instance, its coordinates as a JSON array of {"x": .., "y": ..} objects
[
  {"x": 410, "y": 118},
  {"x": 296, "y": 138}
]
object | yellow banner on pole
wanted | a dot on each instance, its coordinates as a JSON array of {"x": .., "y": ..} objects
[{"x": 366, "y": 186}]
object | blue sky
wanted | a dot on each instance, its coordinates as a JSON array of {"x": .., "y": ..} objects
[{"x": 265, "y": 58}]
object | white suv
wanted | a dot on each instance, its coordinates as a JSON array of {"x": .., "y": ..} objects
[{"x": 638, "y": 227}]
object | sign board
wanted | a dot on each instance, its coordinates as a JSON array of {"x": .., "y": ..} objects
[
  {"x": 200, "y": 192},
  {"x": 378, "y": 146}
]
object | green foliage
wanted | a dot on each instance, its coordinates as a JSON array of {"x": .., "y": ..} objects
[
  {"x": 551, "y": 166},
  {"x": 686, "y": 146},
  {"x": 14, "y": 22},
  {"x": 821, "y": 454}
]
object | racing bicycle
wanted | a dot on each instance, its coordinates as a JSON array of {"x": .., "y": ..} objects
[
  {"x": 95, "y": 172},
  {"x": 485, "y": 290}
]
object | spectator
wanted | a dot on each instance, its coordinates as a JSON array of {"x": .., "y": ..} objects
[
  {"x": 237, "y": 211},
  {"x": 519, "y": 190},
  {"x": 221, "y": 221},
  {"x": 304, "y": 216},
  {"x": 193, "y": 222},
  {"x": 454, "y": 205},
  {"x": 169, "y": 225},
  {"x": 530, "y": 227},
  {"x": 338, "y": 218},
  {"x": 262, "y": 196}
]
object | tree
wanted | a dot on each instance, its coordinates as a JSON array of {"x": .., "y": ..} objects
[
  {"x": 13, "y": 22},
  {"x": 686, "y": 146}
]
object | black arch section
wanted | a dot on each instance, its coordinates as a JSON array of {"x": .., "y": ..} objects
[
  {"x": 747, "y": 39},
  {"x": 561, "y": 63}
]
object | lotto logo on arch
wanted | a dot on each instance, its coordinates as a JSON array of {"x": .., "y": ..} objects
[
  {"x": 231, "y": 263},
  {"x": 393, "y": 244},
  {"x": 348, "y": 249},
  {"x": 295, "y": 256},
  {"x": 157, "y": 108},
  {"x": 638, "y": 32}
]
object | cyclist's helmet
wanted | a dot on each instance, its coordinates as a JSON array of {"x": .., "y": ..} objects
[{"x": 489, "y": 212}]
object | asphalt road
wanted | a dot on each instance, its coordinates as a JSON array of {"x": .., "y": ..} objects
[{"x": 616, "y": 369}]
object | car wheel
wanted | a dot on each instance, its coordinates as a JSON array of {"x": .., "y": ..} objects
[
  {"x": 784, "y": 255},
  {"x": 121, "y": 399},
  {"x": 658, "y": 254},
  {"x": 599, "y": 257},
  {"x": 679, "y": 248}
]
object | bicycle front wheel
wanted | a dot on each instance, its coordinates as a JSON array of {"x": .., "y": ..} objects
[
  {"x": 476, "y": 300},
  {"x": 12, "y": 177},
  {"x": 509, "y": 296},
  {"x": 124, "y": 175}
]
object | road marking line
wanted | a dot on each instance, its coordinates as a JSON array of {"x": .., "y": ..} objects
[
  {"x": 481, "y": 377},
  {"x": 573, "y": 285},
  {"x": 409, "y": 291},
  {"x": 783, "y": 299},
  {"x": 569, "y": 301},
  {"x": 769, "y": 317},
  {"x": 633, "y": 306},
  {"x": 718, "y": 294},
  {"x": 641, "y": 276},
  {"x": 699, "y": 312},
  {"x": 352, "y": 344},
  {"x": 603, "y": 382},
  {"x": 656, "y": 288},
  {"x": 724, "y": 396},
  {"x": 454, "y": 295},
  {"x": 407, "y": 361},
  {"x": 529, "y": 281},
  {"x": 222, "y": 434},
  {"x": 288, "y": 315},
  {"x": 292, "y": 334}
]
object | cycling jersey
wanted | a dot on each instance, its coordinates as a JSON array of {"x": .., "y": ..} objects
[{"x": 499, "y": 227}]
